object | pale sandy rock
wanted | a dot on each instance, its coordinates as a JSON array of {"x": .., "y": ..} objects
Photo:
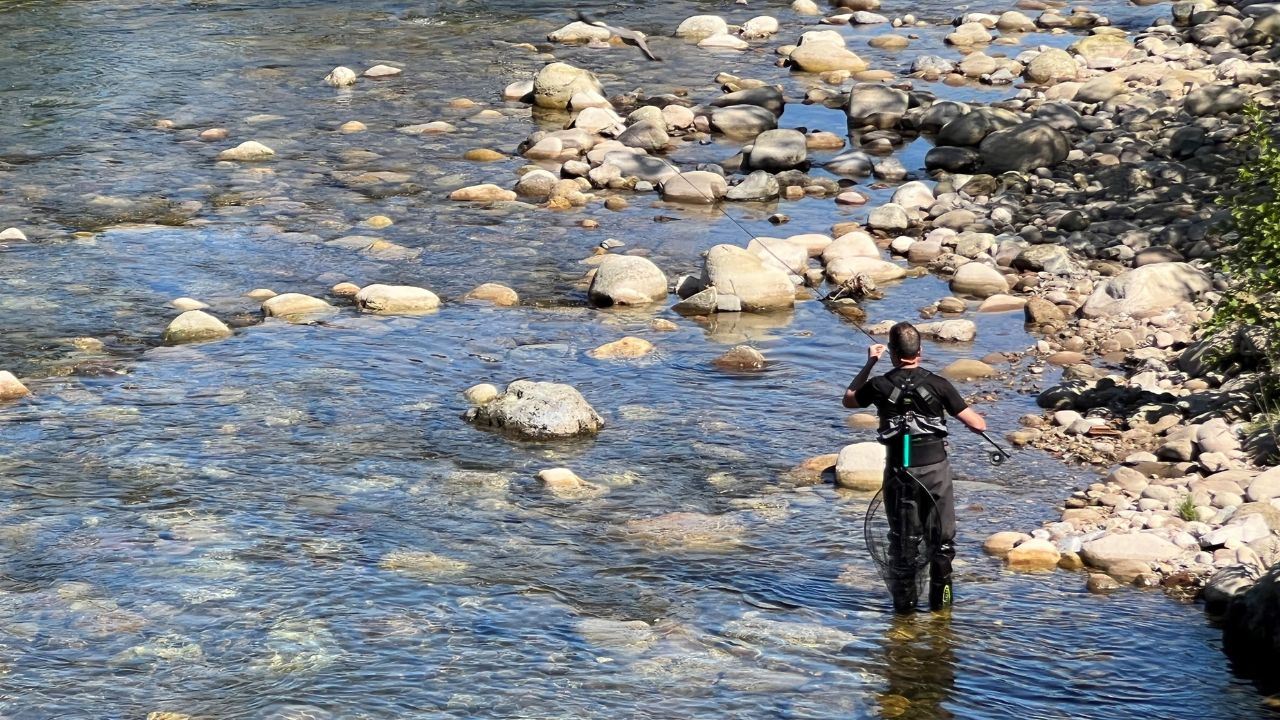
[
  {"x": 248, "y": 151},
  {"x": 195, "y": 326},
  {"x": 860, "y": 466},
  {"x": 341, "y": 77},
  {"x": 379, "y": 72},
  {"x": 494, "y": 293},
  {"x": 627, "y": 347},
  {"x": 483, "y": 193},
  {"x": 480, "y": 394},
  {"x": 1033, "y": 555},
  {"x": 10, "y": 387},
  {"x": 1001, "y": 543},
  {"x": 396, "y": 300},
  {"x": 296, "y": 307},
  {"x": 627, "y": 280}
]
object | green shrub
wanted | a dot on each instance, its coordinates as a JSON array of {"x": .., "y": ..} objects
[{"x": 1253, "y": 262}]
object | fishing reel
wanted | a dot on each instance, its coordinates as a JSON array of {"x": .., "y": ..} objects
[{"x": 997, "y": 455}]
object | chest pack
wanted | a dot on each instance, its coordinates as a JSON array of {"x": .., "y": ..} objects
[{"x": 912, "y": 408}]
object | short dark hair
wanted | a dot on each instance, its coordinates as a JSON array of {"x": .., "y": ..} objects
[{"x": 904, "y": 340}]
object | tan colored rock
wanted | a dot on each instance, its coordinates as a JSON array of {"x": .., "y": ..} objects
[
  {"x": 195, "y": 326},
  {"x": 1032, "y": 555},
  {"x": 566, "y": 485},
  {"x": 296, "y": 307},
  {"x": 351, "y": 127},
  {"x": 1001, "y": 543},
  {"x": 963, "y": 370},
  {"x": 732, "y": 270},
  {"x": 487, "y": 192},
  {"x": 424, "y": 564},
  {"x": 480, "y": 394},
  {"x": 812, "y": 470},
  {"x": 483, "y": 155},
  {"x": 626, "y": 348},
  {"x": 741, "y": 357},
  {"x": 499, "y": 295},
  {"x": 825, "y": 57},
  {"x": 10, "y": 387}
]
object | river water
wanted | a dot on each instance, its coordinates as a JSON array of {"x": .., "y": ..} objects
[{"x": 296, "y": 523}]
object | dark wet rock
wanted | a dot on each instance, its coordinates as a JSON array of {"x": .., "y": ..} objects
[
  {"x": 953, "y": 159},
  {"x": 769, "y": 97},
  {"x": 778, "y": 150},
  {"x": 852, "y": 164},
  {"x": 1214, "y": 99},
  {"x": 971, "y": 128},
  {"x": 743, "y": 121},
  {"x": 876, "y": 105},
  {"x": 1027, "y": 147}
]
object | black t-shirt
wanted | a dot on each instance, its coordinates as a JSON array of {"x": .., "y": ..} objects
[{"x": 876, "y": 392}]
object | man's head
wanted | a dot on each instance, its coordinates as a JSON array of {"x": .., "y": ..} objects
[{"x": 904, "y": 343}]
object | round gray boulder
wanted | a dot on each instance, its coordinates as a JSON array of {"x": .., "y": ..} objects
[{"x": 627, "y": 280}]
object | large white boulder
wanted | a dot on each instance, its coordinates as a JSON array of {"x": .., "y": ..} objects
[
  {"x": 860, "y": 466},
  {"x": 759, "y": 287},
  {"x": 1147, "y": 289}
]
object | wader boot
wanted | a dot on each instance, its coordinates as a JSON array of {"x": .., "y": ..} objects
[{"x": 940, "y": 577}]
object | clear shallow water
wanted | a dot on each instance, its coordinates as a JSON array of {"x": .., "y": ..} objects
[{"x": 238, "y": 529}]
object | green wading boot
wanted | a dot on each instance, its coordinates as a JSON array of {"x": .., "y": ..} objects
[{"x": 940, "y": 596}]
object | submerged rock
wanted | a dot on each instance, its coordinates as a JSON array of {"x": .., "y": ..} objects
[
  {"x": 687, "y": 531},
  {"x": 248, "y": 151},
  {"x": 627, "y": 347},
  {"x": 499, "y": 295},
  {"x": 538, "y": 411}
]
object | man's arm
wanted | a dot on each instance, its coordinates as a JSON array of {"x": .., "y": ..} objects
[
  {"x": 873, "y": 354},
  {"x": 972, "y": 419}
]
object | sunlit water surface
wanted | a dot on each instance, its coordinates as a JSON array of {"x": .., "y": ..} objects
[{"x": 296, "y": 522}]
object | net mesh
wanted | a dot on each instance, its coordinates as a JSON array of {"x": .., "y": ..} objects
[{"x": 902, "y": 532}]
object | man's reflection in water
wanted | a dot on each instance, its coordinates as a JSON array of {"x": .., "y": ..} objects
[{"x": 920, "y": 667}]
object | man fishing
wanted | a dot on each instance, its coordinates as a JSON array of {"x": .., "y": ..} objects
[{"x": 913, "y": 404}]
